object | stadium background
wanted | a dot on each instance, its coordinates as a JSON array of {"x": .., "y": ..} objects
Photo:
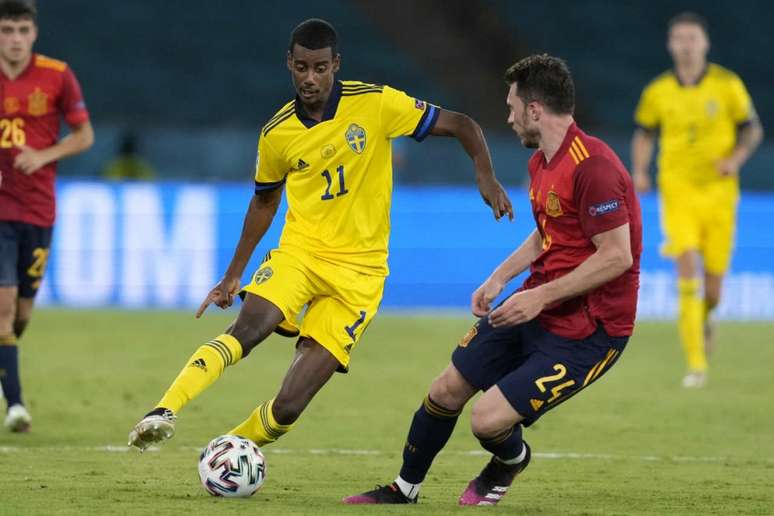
[{"x": 194, "y": 81}]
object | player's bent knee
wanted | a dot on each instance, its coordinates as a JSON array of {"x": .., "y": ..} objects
[
  {"x": 484, "y": 424},
  {"x": 450, "y": 389},
  {"x": 249, "y": 334},
  {"x": 492, "y": 414},
  {"x": 256, "y": 320},
  {"x": 442, "y": 395},
  {"x": 248, "y": 337}
]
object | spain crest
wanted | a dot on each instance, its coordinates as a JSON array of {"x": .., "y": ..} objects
[
  {"x": 37, "y": 103},
  {"x": 469, "y": 336},
  {"x": 356, "y": 138},
  {"x": 553, "y": 204}
]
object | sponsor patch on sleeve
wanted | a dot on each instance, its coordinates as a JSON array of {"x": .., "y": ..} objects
[
  {"x": 604, "y": 208},
  {"x": 419, "y": 104}
]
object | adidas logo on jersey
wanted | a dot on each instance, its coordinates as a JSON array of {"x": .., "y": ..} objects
[
  {"x": 302, "y": 165},
  {"x": 200, "y": 363}
]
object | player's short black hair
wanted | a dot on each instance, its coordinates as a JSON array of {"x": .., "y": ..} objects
[
  {"x": 18, "y": 10},
  {"x": 689, "y": 17},
  {"x": 314, "y": 34},
  {"x": 545, "y": 79}
]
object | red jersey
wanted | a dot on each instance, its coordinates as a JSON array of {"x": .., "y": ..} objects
[
  {"x": 30, "y": 112},
  {"x": 585, "y": 190}
]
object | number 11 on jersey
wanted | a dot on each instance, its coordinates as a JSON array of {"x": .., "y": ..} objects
[{"x": 327, "y": 196}]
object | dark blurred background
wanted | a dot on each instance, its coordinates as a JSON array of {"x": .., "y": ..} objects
[{"x": 190, "y": 82}]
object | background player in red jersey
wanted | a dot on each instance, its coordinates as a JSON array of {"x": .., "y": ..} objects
[
  {"x": 36, "y": 91},
  {"x": 571, "y": 319}
]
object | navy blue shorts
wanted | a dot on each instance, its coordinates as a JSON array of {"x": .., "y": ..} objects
[
  {"x": 23, "y": 255},
  {"x": 535, "y": 369}
]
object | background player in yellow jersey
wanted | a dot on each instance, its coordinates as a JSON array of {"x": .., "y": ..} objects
[
  {"x": 707, "y": 130},
  {"x": 330, "y": 149}
]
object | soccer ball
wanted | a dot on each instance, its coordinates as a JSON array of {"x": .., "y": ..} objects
[{"x": 232, "y": 466}]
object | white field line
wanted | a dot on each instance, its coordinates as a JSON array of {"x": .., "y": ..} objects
[{"x": 344, "y": 451}]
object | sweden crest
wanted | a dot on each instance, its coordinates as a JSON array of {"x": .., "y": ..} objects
[
  {"x": 263, "y": 275},
  {"x": 356, "y": 138}
]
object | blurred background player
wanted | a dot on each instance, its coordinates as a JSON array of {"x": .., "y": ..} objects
[
  {"x": 570, "y": 321},
  {"x": 707, "y": 129},
  {"x": 331, "y": 146},
  {"x": 36, "y": 92},
  {"x": 128, "y": 163}
]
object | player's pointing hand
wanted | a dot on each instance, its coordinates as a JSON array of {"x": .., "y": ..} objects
[{"x": 221, "y": 294}]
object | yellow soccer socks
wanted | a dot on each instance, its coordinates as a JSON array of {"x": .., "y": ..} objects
[
  {"x": 202, "y": 369},
  {"x": 691, "y": 322},
  {"x": 261, "y": 427}
]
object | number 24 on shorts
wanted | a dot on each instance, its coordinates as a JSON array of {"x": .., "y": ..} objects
[{"x": 556, "y": 391}]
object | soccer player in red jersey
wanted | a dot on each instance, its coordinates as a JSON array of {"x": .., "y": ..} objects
[
  {"x": 569, "y": 322},
  {"x": 36, "y": 90}
]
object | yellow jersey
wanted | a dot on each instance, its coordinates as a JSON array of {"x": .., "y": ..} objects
[
  {"x": 338, "y": 172},
  {"x": 697, "y": 123}
]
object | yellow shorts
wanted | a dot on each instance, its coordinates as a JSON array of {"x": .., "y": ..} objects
[
  {"x": 703, "y": 221},
  {"x": 340, "y": 302}
]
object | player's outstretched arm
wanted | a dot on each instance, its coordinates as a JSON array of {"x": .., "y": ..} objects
[
  {"x": 260, "y": 213},
  {"x": 31, "y": 160},
  {"x": 470, "y": 135}
]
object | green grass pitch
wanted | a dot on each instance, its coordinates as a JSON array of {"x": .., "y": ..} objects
[{"x": 634, "y": 443}]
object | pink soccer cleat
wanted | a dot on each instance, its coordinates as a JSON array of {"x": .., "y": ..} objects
[{"x": 493, "y": 482}]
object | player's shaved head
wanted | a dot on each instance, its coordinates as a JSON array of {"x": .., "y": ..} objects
[
  {"x": 18, "y": 10},
  {"x": 545, "y": 79},
  {"x": 314, "y": 34}
]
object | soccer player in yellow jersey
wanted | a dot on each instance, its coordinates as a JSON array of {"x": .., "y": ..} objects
[
  {"x": 707, "y": 130},
  {"x": 329, "y": 149}
]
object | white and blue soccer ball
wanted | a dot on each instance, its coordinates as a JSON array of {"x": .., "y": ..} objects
[{"x": 232, "y": 466}]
